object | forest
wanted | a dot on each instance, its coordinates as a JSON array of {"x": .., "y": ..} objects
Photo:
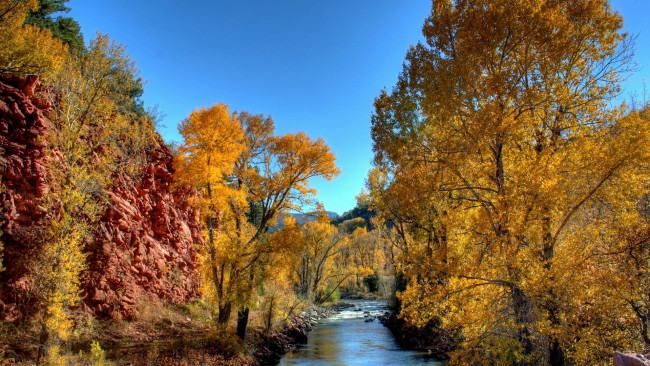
[{"x": 508, "y": 205}]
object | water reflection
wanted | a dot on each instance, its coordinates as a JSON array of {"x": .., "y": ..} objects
[{"x": 351, "y": 338}]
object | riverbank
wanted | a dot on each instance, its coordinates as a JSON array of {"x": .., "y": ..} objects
[
  {"x": 261, "y": 348},
  {"x": 272, "y": 346},
  {"x": 431, "y": 338},
  {"x": 177, "y": 335}
]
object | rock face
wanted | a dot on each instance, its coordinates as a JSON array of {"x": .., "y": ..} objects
[
  {"x": 23, "y": 169},
  {"x": 143, "y": 249},
  {"x": 144, "y": 245},
  {"x": 631, "y": 359}
]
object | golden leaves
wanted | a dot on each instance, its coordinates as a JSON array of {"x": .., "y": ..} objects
[
  {"x": 27, "y": 49},
  {"x": 502, "y": 171},
  {"x": 246, "y": 177},
  {"x": 212, "y": 144}
]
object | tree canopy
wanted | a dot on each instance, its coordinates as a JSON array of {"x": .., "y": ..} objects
[
  {"x": 64, "y": 28},
  {"x": 506, "y": 173}
]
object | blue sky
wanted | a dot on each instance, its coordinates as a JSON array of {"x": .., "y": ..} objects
[{"x": 314, "y": 66}]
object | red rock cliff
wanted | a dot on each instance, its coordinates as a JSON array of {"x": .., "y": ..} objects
[{"x": 143, "y": 248}]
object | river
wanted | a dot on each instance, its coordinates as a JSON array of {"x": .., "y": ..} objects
[{"x": 348, "y": 338}]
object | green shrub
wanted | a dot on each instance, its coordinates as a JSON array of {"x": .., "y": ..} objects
[
  {"x": 97, "y": 354},
  {"x": 372, "y": 282}
]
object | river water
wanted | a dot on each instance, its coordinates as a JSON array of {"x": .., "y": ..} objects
[{"x": 348, "y": 339}]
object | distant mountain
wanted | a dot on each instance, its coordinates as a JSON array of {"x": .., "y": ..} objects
[{"x": 302, "y": 218}]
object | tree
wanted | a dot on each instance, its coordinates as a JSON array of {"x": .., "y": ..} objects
[
  {"x": 27, "y": 49},
  {"x": 246, "y": 177},
  {"x": 366, "y": 251},
  {"x": 277, "y": 296},
  {"x": 64, "y": 28},
  {"x": 273, "y": 174},
  {"x": 321, "y": 243},
  {"x": 90, "y": 141},
  {"x": 497, "y": 120},
  {"x": 349, "y": 226},
  {"x": 361, "y": 211},
  {"x": 212, "y": 143}
]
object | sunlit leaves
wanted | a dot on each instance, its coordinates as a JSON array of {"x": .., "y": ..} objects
[
  {"x": 501, "y": 171},
  {"x": 246, "y": 177},
  {"x": 27, "y": 49},
  {"x": 212, "y": 144}
]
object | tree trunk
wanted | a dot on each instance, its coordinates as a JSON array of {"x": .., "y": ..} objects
[
  {"x": 224, "y": 313},
  {"x": 556, "y": 354},
  {"x": 644, "y": 328},
  {"x": 43, "y": 340},
  {"x": 521, "y": 305},
  {"x": 242, "y": 322},
  {"x": 269, "y": 317}
]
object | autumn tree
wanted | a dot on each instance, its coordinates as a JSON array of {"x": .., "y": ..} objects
[
  {"x": 27, "y": 49},
  {"x": 321, "y": 243},
  {"x": 621, "y": 271},
  {"x": 66, "y": 29},
  {"x": 273, "y": 173},
  {"x": 258, "y": 176},
  {"x": 212, "y": 143},
  {"x": 349, "y": 226},
  {"x": 91, "y": 139},
  {"x": 502, "y": 122},
  {"x": 365, "y": 249},
  {"x": 278, "y": 298}
]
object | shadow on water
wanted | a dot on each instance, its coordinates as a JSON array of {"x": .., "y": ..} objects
[{"x": 351, "y": 338}]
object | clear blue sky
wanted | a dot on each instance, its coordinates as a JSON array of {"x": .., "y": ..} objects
[{"x": 314, "y": 66}]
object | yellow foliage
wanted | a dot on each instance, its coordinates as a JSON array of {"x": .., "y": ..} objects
[
  {"x": 506, "y": 178},
  {"x": 57, "y": 321},
  {"x": 212, "y": 144},
  {"x": 54, "y": 357},
  {"x": 278, "y": 300},
  {"x": 27, "y": 49},
  {"x": 246, "y": 177},
  {"x": 322, "y": 264},
  {"x": 57, "y": 272},
  {"x": 97, "y": 354}
]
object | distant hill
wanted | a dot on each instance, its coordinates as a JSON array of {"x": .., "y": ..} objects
[
  {"x": 361, "y": 211},
  {"x": 302, "y": 218}
]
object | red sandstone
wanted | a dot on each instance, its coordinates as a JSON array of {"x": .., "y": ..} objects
[{"x": 143, "y": 247}]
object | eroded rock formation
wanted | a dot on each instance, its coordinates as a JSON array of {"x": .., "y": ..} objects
[
  {"x": 630, "y": 359},
  {"x": 143, "y": 247}
]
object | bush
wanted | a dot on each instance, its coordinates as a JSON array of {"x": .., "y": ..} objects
[
  {"x": 97, "y": 354},
  {"x": 334, "y": 296},
  {"x": 372, "y": 282}
]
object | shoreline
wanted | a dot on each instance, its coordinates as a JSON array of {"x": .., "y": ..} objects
[
  {"x": 184, "y": 342},
  {"x": 295, "y": 334},
  {"x": 430, "y": 338}
]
